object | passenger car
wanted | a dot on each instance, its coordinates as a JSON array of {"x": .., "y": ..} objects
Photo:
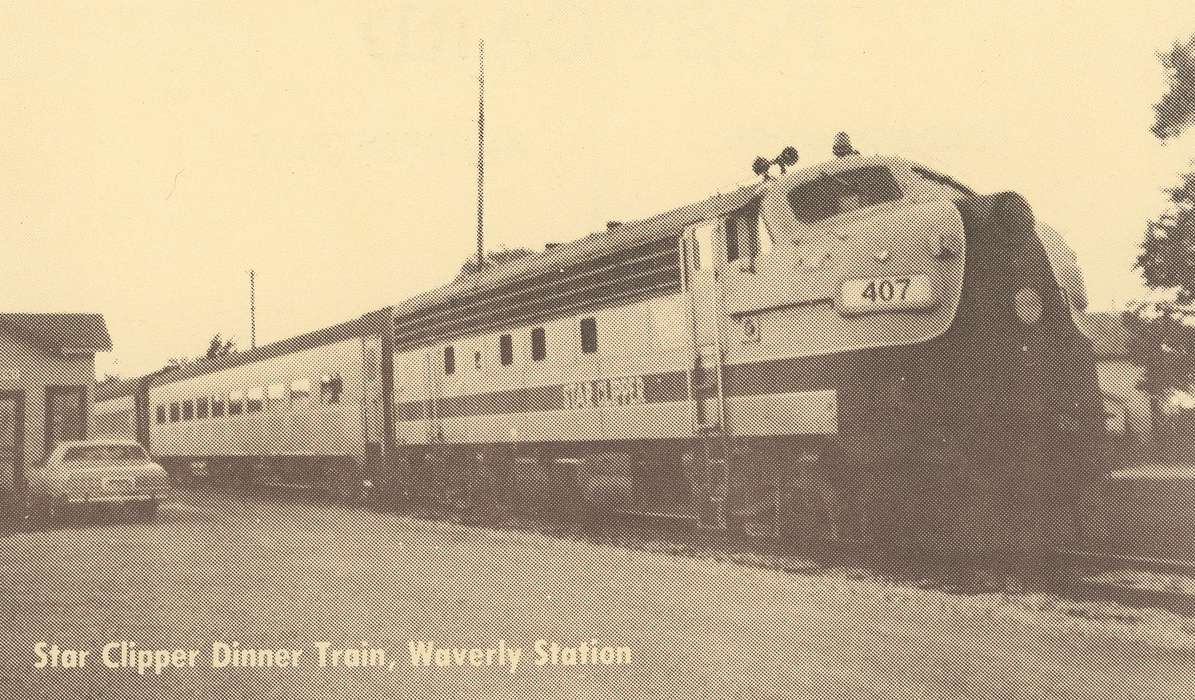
[{"x": 113, "y": 472}]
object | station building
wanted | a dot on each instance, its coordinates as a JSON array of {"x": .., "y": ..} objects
[{"x": 47, "y": 381}]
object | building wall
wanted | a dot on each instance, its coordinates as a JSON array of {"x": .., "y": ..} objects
[
  {"x": 29, "y": 369},
  {"x": 114, "y": 418}
]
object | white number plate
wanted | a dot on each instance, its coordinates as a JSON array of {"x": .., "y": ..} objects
[{"x": 886, "y": 294}]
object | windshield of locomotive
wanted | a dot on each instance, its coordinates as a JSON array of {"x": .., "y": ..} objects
[{"x": 831, "y": 194}]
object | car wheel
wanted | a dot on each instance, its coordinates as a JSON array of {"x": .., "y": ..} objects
[{"x": 37, "y": 514}]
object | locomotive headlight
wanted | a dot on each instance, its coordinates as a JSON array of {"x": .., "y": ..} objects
[{"x": 1028, "y": 305}]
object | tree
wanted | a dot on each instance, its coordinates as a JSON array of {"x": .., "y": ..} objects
[
  {"x": 1176, "y": 110},
  {"x": 495, "y": 257},
  {"x": 1162, "y": 328},
  {"x": 216, "y": 347}
]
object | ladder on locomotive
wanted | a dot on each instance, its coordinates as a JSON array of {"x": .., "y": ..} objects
[{"x": 705, "y": 305}]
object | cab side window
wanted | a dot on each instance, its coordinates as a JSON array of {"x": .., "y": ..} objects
[{"x": 747, "y": 233}]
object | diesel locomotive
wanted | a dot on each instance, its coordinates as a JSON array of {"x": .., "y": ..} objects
[{"x": 862, "y": 349}]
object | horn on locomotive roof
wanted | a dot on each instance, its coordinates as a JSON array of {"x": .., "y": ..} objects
[
  {"x": 842, "y": 146},
  {"x": 786, "y": 158}
]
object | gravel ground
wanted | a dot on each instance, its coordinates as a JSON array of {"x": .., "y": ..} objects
[{"x": 283, "y": 574}]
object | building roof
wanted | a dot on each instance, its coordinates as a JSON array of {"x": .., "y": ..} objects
[{"x": 59, "y": 333}]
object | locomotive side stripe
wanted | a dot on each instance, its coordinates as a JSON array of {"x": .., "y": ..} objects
[
  {"x": 788, "y": 375},
  {"x": 657, "y": 388},
  {"x": 763, "y": 378}
]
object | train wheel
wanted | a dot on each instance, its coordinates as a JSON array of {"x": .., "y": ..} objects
[
  {"x": 37, "y": 513},
  {"x": 483, "y": 490},
  {"x": 809, "y": 507}
]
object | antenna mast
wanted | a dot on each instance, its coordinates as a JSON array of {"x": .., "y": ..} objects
[
  {"x": 252, "y": 312},
  {"x": 481, "y": 157}
]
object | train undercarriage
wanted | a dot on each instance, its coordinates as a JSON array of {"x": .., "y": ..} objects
[{"x": 958, "y": 500}]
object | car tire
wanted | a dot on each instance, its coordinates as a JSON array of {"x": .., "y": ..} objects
[
  {"x": 148, "y": 510},
  {"x": 37, "y": 515}
]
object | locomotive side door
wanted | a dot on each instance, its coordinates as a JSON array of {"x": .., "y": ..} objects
[
  {"x": 371, "y": 402},
  {"x": 709, "y": 471},
  {"x": 434, "y": 383},
  {"x": 703, "y": 292}
]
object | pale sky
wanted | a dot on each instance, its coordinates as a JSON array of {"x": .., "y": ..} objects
[{"x": 152, "y": 153}]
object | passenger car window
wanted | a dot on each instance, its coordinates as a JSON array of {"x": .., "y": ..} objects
[
  {"x": 217, "y": 406},
  {"x": 589, "y": 339},
  {"x": 201, "y": 408},
  {"x": 449, "y": 360},
  {"x": 234, "y": 403},
  {"x": 506, "y": 349},
  {"x": 174, "y": 412},
  {"x": 253, "y": 399},
  {"x": 161, "y": 414},
  {"x": 330, "y": 388},
  {"x": 300, "y": 389},
  {"x": 188, "y": 410},
  {"x": 539, "y": 345},
  {"x": 831, "y": 194}
]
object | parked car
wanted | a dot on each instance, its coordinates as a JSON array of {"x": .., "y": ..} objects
[{"x": 99, "y": 473}]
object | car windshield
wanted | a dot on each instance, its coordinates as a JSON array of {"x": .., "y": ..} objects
[
  {"x": 105, "y": 453},
  {"x": 830, "y": 194}
]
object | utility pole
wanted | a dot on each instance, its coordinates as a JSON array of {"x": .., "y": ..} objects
[
  {"x": 252, "y": 312},
  {"x": 481, "y": 157}
]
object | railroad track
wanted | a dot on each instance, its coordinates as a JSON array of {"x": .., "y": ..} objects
[
  {"x": 1108, "y": 560},
  {"x": 1117, "y": 577}
]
